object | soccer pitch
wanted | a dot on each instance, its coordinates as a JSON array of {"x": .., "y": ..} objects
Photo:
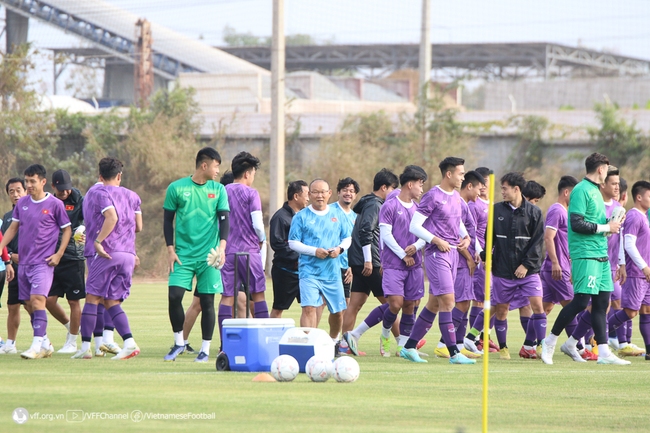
[{"x": 391, "y": 395}]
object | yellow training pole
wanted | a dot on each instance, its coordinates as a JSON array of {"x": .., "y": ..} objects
[{"x": 486, "y": 304}]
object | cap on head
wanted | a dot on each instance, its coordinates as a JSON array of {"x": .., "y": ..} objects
[{"x": 61, "y": 180}]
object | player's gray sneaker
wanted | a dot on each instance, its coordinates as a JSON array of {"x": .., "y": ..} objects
[
  {"x": 613, "y": 360},
  {"x": 68, "y": 348},
  {"x": 82, "y": 355},
  {"x": 174, "y": 352},
  {"x": 471, "y": 346},
  {"x": 547, "y": 352},
  {"x": 352, "y": 343},
  {"x": 572, "y": 352},
  {"x": 203, "y": 357},
  {"x": 8, "y": 350}
]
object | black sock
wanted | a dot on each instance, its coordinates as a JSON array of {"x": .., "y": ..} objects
[
  {"x": 208, "y": 318},
  {"x": 176, "y": 312}
]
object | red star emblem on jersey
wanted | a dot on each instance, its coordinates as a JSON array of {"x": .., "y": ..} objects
[
  {"x": 69, "y": 207},
  {"x": 334, "y": 219},
  {"x": 45, "y": 211},
  {"x": 211, "y": 196}
]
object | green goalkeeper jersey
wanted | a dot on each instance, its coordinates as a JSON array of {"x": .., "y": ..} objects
[
  {"x": 587, "y": 201},
  {"x": 196, "y": 229}
]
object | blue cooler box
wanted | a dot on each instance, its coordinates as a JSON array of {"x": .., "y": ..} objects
[
  {"x": 303, "y": 343},
  {"x": 253, "y": 344}
]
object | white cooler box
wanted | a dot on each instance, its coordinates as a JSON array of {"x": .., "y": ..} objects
[
  {"x": 303, "y": 343},
  {"x": 253, "y": 344}
]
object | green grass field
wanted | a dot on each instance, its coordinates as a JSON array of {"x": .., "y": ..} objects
[{"x": 391, "y": 394}]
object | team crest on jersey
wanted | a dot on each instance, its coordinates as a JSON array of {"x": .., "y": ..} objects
[
  {"x": 187, "y": 194},
  {"x": 25, "y": 208},
  {"x": 69, "y": 207},
  {"x": 334, "y": 219},
  {"x": 45, "y": 211},
  {"x": 211, "y": 195}
]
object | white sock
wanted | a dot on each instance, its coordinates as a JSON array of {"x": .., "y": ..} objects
[
  {"x": 72, "y": 339},
  {"x": 603, "y": 351},
  {"x": 205, "y": 347},
  {"x": 460, "y": 347},
  {"x": 85, "y": 346},
  {"x": 528, "y": 347},
  {"x": 572, "y": 342},
  {"x": 10, "y": 343},
  {"x": 107, "y": 335},
  {"x": 98, "y": 342},
  {"x": 360, "y": 330},
  {"x": 401, "y": 341},
  {"x": 385, "y": 332},
  {"x": 551, "y": 339},
  {"x": 441, "y": 344},
  {"x": 129, "y": 342},
  {"x": 67, "y": 326},
  {"x": 36, "y": 344},
  {"x": 186, "y": 341},
  {"x": 46, "y": 342},
  {"x": 621, "y": 345},
  {"x": 178, "y": 339}
]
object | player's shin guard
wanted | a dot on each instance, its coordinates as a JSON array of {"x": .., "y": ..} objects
[
  {"x": 88, "y": 321},
  {"x": 501, "y": 327},
  {"x": 121, "y": 321},
  {"x": 40, "y": 323},
  {"x": 420, "y": 328},
  {"x": 538, "y": 322},
  {"x": 260, "y": 309},
  {"x": 448, "y": 331},
  {"x": 473, "y": 314},
  {"x": 99, "y": 323}
]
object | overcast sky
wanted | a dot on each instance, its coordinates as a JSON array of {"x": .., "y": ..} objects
[{"x": 620, "y": 26}]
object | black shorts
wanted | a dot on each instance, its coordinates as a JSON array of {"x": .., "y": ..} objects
[
  {"x": 372, "y": 283},
  {"x": 12, "y": 292},
  {"x": 285, "y": 288},
  {"x": 346, "y": 287},
  {"x": 69, "y": 280},
  {"x": 3, "y": 276}
]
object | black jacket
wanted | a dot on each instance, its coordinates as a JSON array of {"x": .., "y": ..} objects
[
  {"x": 518, "y": 239},
  {"x": 284, "y": 256},
  {"x": 6, "y": 222},
  {"x": 366, "y": 230},
  {"x": 73, "y": 207}
]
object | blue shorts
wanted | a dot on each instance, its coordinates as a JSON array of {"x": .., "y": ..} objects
[{"x": 312, "y": 292}]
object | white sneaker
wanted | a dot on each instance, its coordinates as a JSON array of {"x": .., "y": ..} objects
[
  {"x": 127, "y": 352},
  {"x": 612, "y": 359},
  {"x": 547, "y": 352},
  {"x": 46, "y": 352},
  {"x": 613, "y": 343},
  {"x": 99, "y": 353},
  {"x": 82, "y": 354},
  {"x": 638, "y": 349},
  {"x": 572, "y": 352},
  {"x": 8, "y": 350},
  {"x": 110, "y": 348},
  {"x": 31, "y": 354},
  {"x": 68, "y": 348},
  {"x": 471, "y": 346}
]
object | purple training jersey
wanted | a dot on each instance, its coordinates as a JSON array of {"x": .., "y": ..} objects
[
  {"x": 635, "y": 224},
  {"x": 557, "y": 219},
  {"x": 443, "y": 211},
  {"x": 94, "y": 206},
  {"x": 398, "y": 214},
  {"x": 40, "y": 224},
  {"x": 127, "y": 206},
  {"x": 614, "y": 241},
  {"x": 480, "y": 209},
  {"x": 243, "y": 200},
  {"x": 470, "y": 225}
]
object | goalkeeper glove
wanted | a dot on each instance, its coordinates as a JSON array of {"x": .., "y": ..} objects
[{"x": 214, "y": 257}]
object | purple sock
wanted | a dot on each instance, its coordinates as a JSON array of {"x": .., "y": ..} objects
[
  {"x": 406, "y": 324},
  {"x": 584, "y": 326},
  {"x": 539, "y": 325},
  {"x": 571, "y": 327},
  {"x": 621, "y": 332},
  {"x": 473, "y": 314},
  {"x": 524, "y": 323},
  {"x": 108, "y": 320},
  {"x": 260, "y": 309},
  {"x": 420, "y": 328},
  {"x": 629, "y": 331},
  {"x": 99, "y": 323},
  {"x": 478, "y": 322},
  {"x": 590, "y": 333},
  {"x": 415, "y": 310},
  {"x": 40, "y": 323},
  {"x": 456, "y": 317},
  {"x": 121, "y": 321},
  {"x": 88, "y": 320},
  {"x": 225, "y": 312},
  {"x": 501, "y": 327},
  {"x": 644, "y": 327},
  {"x": 461, "y": 330},
  {"x": 610, "y": 329},
  {"x": 492, "y": 322},
  {"x": 531, "y": 334},
  {"x": 376, "y": 315},
  {"x": 448, "y": 331},
  {"x": 389, "y": 318},
  {"x": 618, "y": 319}
]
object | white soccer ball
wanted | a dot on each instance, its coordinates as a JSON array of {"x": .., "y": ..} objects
[
  {"x": 346, "y": 369},
  {"x": 318, "y": 368},
  {"x": 285, "y": 368}
]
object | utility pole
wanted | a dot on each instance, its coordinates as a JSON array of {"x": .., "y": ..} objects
[
  {"x": 425, "y": 70},
  {"x": 143, "y": 66},
  {"x": 277, "y": 109}
]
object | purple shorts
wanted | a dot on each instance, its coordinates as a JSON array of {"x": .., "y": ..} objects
[
  {"x": 257, "y": 277},
  {"x": 34, "y": 280},
  {"x": 478, "y": 283},
  {"x": 406, "y": 283},
  {"x": 616, "y": 294},
  {"x": 636, "y": 292},
  {"x": 556, "y": 291},
  {"x": 441, "y": 271},
  {"x": 111, "y": 278},
  {"x": 89, "y": 261},
  {"x": 507, "y": 291},
  {"x": 463, "y": 285},
  {"x": 519, "y": 301}
]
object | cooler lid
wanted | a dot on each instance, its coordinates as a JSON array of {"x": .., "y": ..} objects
[{"x": 256, "y": 323}]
